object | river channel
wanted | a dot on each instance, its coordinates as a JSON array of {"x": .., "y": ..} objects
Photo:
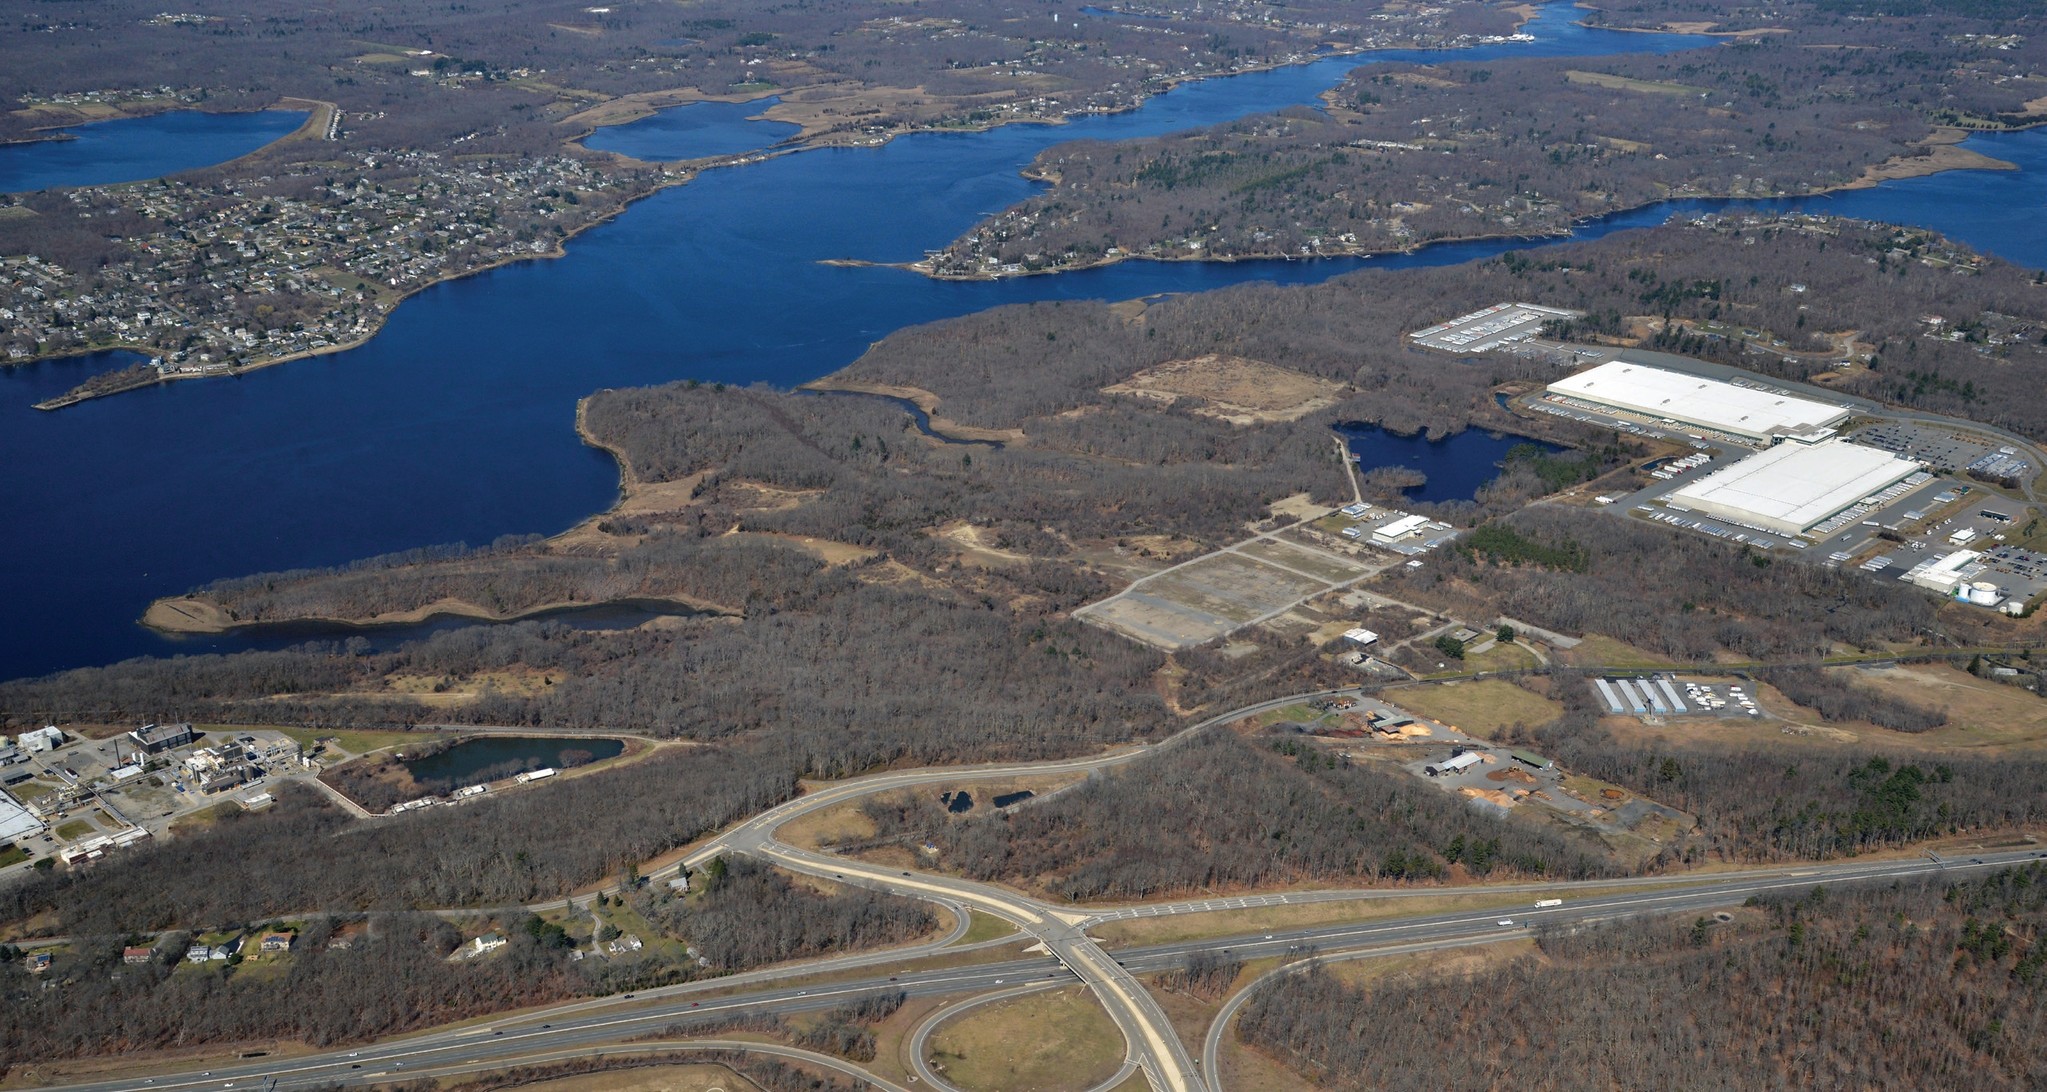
[{"x": 456, "y": 422}]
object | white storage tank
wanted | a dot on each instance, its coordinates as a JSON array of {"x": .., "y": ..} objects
[{"x": 1984, "y": 594}]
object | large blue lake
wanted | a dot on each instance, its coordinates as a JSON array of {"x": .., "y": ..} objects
[
  {"x": 456, "y": 423},
  {"x": 109, "y": 152}
]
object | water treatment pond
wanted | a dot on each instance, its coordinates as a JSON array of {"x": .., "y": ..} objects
[{"x": 492, "y": 758}]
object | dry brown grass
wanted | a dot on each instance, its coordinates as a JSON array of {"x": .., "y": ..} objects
[{"x": 1233, "y": 388}]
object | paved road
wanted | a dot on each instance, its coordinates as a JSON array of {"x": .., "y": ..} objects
[{"x": 586, "y": 1025}]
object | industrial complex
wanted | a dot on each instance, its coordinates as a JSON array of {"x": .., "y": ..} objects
[
  {"x": 1772, "y": 467},
  {"x": 1756, "y": 414},
  {"x": 1794, "y": 487}
]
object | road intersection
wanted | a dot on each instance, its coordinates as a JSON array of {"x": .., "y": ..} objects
[{"x": 1154, "y": 1046}]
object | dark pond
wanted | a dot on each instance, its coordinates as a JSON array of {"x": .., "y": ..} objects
[
  {"x": 1456, "y": 465},
  {"x": 490, "y": 758}
]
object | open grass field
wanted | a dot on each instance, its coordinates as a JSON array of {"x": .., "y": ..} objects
[
  {"x": 353, "y": 741},
  {"x": 1046, "y": 1042},
  {"x": 986, "y": 927},
  {"x": 74, "y": 830},
  {"x": 654, "y": 1078},
  {"x": 1599, "y": 650},
  {"x": 1482, "y": 707},
  {"x": 1501, "y": 657},
  {"x": 1982, "y": 714},
  {"x": 1624, "y": 83}
]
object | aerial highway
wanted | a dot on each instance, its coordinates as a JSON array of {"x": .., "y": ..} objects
[{"x": 584, "y": 1027}]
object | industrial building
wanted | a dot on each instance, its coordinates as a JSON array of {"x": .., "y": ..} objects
[
  {"x": 16, "y": 822},
  {"x": 41, "y": 740},
  {"x": 1955, "y": 574},
  {"x": 1399, "y": 529},
  {"x": 1792, "y": 487},
  {"x": 153, "y": 738},
  {"x": 1453, "y": 764},
  {"x": 1752, "y": 413},
  {"x": 1482, "y": 331}
]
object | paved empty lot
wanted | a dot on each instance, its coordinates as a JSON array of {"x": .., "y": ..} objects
[{"x": 1218, "y": 593}]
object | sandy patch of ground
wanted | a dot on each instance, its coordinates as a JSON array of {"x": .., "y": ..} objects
[
  {"x": 829, "y": 551},
  {"x": 1237, "y": 390},
  {"x": 640, "y": 104},
  {"x": 1941, "y": 155},
  {"x": 186, "y": 616},
  {"x": 975, "y": 549}
]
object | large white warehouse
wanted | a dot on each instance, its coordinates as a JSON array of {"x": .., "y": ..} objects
[
  {"x": 1709, "y": 403},
  {"x": 1791, "y": 487}
]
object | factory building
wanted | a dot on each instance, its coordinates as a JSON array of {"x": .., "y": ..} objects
[
  {"x": 1754, "y": 414},
  {"x": 1792, "y": 487},
  {"x": 1399, "y": 529}
]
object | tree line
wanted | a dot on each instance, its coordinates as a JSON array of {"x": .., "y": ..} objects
[{"x": 1918, "y": 985}]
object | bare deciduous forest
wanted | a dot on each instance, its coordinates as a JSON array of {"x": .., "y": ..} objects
[
  {"x": 1407, "y": 154},
  {"x": 1219, "y": 813},
  {"x": 1918, "y": 986}
]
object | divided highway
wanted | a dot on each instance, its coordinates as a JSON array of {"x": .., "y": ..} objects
[
  {"x": 1154, "y": 1045},
  {"x": 584, "y": 1027}
]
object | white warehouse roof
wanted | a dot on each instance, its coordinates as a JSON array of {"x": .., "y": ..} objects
[
  {"x": 1793, "y": 486},
  {"x": 1725, "y": 407},
  {"x": 1403, "y": 526}
]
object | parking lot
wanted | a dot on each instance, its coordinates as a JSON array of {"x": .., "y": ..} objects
[{"x": 1941, "y": 449}]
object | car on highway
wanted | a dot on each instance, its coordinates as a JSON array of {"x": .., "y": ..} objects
[{"x": 1506, "y": 921}]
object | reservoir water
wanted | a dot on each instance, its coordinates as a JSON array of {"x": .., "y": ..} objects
[
  {"x": 105, "y": 153},
  {"x": 1453, "y": 467},
  {"x": 456, "y": 423}
]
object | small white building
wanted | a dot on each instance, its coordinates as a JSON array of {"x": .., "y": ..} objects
[
  {"x": 1453, "y": 764},
  {"x": 536, "y": 775},
  {"x": 1360, "y": 637},
  {"x": 489, "y": 942},
  {"x": 41, "y": 740}
]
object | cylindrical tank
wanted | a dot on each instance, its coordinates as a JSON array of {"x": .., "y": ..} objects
[{"x": 1983, "y": 593}]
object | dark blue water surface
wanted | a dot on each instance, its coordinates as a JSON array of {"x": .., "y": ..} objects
[
  {"x": 694, "y": 131},
  {"x": 105, "y": 153},
  {"x": 456, "y": 422},
  {"x": 1455, "y": 465},
  {"x": 488, "y": 758}
]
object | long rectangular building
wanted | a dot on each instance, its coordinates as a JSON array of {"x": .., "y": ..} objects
[
  {"x": 1791, "y": 487},
  {"x": 1709, "y": 403}
]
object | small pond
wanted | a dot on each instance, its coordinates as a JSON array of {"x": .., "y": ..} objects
[
  {"x": 1456, "y": 465},
  {"x": 491, "y": 758}
]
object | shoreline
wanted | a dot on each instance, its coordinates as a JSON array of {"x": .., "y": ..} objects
[
  {"x": 1896, "y": 168},
  {"x": 558, "y": 250},
  {"x": 190, "y": 616},
  {"x": 676, "y": 173}
]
